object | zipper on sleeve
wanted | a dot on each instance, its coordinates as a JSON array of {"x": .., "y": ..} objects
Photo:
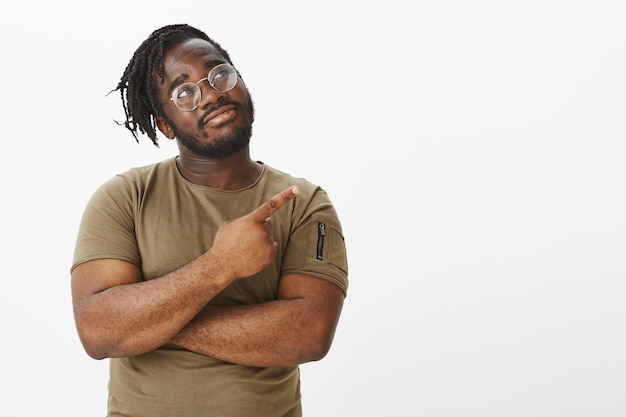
[{"x": 321, "y": 232}]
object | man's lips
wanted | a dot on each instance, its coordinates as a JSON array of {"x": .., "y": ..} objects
[{"x": 220, "y": 115}]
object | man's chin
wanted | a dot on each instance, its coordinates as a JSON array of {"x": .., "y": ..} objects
[{"x": 218, "y": 148}]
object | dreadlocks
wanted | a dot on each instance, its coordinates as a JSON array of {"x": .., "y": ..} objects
[{"x": 136, "y": 85}]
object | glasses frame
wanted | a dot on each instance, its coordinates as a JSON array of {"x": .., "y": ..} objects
[{"x": 208, "y": 78}]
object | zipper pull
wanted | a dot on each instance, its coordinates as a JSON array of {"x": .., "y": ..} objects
[{"x": 321, "y": 232}]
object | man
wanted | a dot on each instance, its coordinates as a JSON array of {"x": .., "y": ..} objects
[{"x": 209, "y": 277}]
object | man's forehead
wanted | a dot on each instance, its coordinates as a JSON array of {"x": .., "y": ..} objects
[
  {"x": 180, "y": 59},
  {"x": 190, "y": 53},
  {"x": 193, "y": 48},
  {"x": 197, "y": 43}
]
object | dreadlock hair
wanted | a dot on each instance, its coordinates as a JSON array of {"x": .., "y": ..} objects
[{"x": 136, "y": 85}]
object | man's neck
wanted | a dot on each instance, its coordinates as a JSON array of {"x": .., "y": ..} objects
[{"x": 232, "y": 173}]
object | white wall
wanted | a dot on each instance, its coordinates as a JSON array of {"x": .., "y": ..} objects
[{"x": 475, "y": 151}]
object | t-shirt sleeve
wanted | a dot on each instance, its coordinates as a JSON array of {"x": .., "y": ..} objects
[
  {"x": 317, "y": 245},
  {"x": 107, "y": 227}
]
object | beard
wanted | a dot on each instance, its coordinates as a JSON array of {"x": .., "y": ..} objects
[{"x": 222, "y": 146}]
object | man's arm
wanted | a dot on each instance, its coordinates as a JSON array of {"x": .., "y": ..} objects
[
  {"x": 118, "y": 314},
  {"x": 296, "y": 328}
]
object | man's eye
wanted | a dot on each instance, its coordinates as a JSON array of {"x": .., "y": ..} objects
[
  {"x": 220, "y": 74},
  {"x": 184, "y": 91}
]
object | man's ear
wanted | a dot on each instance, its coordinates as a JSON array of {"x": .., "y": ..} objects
[{"x": 165, "y": 128}]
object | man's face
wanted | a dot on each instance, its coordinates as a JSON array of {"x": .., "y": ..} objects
[{"x": 221, "y": 125}]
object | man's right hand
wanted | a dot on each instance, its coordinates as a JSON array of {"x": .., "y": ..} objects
[{"x": 246, "y": 245}]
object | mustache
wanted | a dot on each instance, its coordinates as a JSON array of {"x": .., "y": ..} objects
[{"x": 211, "y": 109}]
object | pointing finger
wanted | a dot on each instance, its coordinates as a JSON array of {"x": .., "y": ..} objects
[{"x": 272, "y": 205}]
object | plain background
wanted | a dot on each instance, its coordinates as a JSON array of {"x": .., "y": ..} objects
[{"x": 475, "y": 151}]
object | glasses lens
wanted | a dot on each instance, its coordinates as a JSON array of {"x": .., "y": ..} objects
[
  {"x": 186, "y": 96},
  {"x": 223, "y": 77}
]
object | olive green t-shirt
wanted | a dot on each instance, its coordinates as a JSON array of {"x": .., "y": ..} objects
[{"x": 154, "y": 218}]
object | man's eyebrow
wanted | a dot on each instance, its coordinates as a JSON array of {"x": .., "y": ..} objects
[
  {"x": 210, "y": 64},
  {"x": 177, "y": 81}
]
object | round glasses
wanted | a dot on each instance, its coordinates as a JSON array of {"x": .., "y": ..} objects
[{"x": 222, "y": 78}]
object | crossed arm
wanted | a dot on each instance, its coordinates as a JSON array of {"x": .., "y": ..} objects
[
  {"x": 118, "y": 314},
  {"x": 296, "y": 328}
]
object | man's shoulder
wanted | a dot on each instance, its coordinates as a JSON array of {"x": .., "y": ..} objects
[
  {"x": 285, "y": 179},
  {"x": 138, "y": 178},
  {"x": 144, "y": 171}
]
